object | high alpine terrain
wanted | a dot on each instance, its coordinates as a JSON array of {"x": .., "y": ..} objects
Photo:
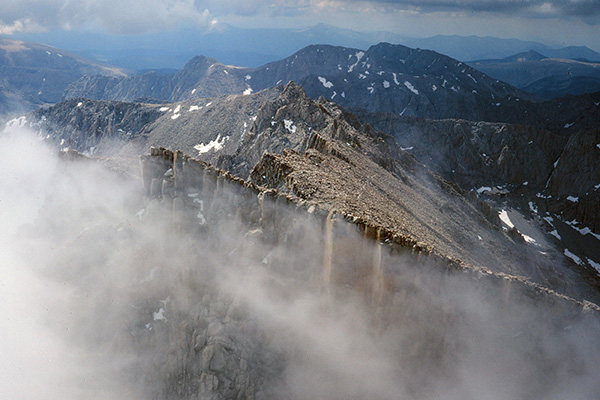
[
  {"x": 341, "y": 224},
  {"x": 34, "y": 74}
]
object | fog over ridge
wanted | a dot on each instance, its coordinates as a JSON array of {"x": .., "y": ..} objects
[{"x": 109, "y": 295}]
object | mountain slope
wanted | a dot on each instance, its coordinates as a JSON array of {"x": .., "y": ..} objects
[{"x": 36, "y": 74}]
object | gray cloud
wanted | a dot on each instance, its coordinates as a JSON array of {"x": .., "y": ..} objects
[
  {"x": 155, "y": 15},
  {"x": 528, "y": 8}
]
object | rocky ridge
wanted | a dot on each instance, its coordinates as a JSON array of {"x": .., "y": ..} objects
[{"x": 487, "y": 159}]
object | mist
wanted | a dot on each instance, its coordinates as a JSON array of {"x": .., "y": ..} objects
[{"x": 109, "y": 293}]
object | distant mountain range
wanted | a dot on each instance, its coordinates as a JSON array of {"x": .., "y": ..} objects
[
  {"x": 255, "y": 47},
  {"x": 34, "y": 74},
  {"x": 544, "y": 76},
  {"x": 384, "y": 78}
]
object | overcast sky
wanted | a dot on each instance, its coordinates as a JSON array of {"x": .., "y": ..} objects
[{"x": 569, "y": 22}]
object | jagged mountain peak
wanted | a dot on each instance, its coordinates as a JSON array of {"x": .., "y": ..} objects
[{"x": 200, "y": 61}]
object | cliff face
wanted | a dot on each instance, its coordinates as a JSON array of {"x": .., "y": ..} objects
[
  {"x": 217, "y": 349},
  {"x": 89, "y": 126},
  {"x": 476, "y": 154}
]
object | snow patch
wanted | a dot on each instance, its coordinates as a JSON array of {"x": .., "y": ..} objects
[
  {"x": 386, "y": 84},
  {"x": 410, "y": 87},
  {"x": 484, "y": 189},
  {"x": 555, "y": 234},
  {"x": 79, "y": 104},
  {"x": 395, "y": 78},
  {"x": 177, "y": 109},
  {"x": 573, "y": 257},
  {"x": 289, "y": 125},
  {"x": 159, "y": 316},
  {"x": 528, "y": 239},
  {"x": 504, "y": 218},
  {"x": 594, "y": 264},
  {"x": 200, "y": 216},
  {"x": 533, "y": 207},
  {"x": 247, "y": 91},
  {"x": 140, "y": 214},
  {"x": 214, "y": 145},
  {"x": 573, "y": 199},
  {"x": 194, "y": 108},
  {"x": 163, "y": 109},
  {"x": 325, "y": 82},
  {"x": 582, "y": 231},
  {"x": 248, "y": 77},
  {"x": 208, "y": 104},
  {"x": 569, "y": 125},
  {"x": 226, "y": 72},
  {"x": 359, "y": 55},
  {"x": 434, "y": 88},
  {"x": 193, "y": 91},
  {"x": 175, "y": 116}
]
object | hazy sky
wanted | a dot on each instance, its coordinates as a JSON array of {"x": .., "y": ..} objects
[{"x": 569, "y": 22}]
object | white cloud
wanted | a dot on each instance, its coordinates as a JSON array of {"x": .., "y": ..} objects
[{"x": 113, "y": 15}]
